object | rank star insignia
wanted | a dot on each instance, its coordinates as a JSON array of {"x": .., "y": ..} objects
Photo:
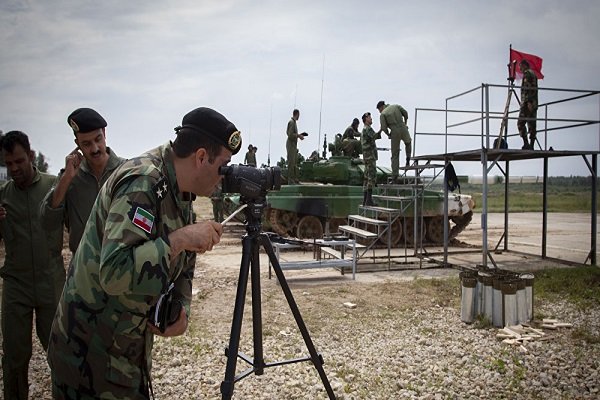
[{"x": 161, "y": 188}]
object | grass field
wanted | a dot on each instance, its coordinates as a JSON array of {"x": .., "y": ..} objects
[{"x": 563, "y": 196}]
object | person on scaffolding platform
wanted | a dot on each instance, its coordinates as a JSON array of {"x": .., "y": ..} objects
[
  {"x": 393, "y": 123},
  {"x": 529, "y": 103}
]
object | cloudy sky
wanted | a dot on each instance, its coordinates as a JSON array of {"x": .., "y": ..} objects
[{"x": 144, "y": 64}]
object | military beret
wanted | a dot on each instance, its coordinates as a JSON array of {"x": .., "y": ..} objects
[
  {"x": 85, "y": 120},
  {"x": 250, "y": 147},
  {"x": 355, "y": 121},
  {"x": 381, "y": 103},
  {"x": 211, "y": 123}
]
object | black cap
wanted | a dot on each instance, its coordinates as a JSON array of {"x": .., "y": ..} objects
[
  {"x": 85, "y": 120},
  {"x": 250, "y": 147},
  {"x": 381, "y": 103},
  {"x": 355, "y": 121},
  {"x": 210, "y": 122}
]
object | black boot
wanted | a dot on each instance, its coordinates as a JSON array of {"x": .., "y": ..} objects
[
  {"x": 364, "y": 198},
  {"x": 369, "y": 199},
  {"x": 525, "y": 144},
  {"x": 532, "y": 143}
]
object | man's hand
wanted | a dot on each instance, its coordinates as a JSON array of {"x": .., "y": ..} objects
[
  {"x": 72, "y": 163},
  {"x": 199, "y": 237},
  {"x": 176, "y": 329},
  {"x": 2, "y": 212}
]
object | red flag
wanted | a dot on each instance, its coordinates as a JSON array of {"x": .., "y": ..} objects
[{"x": 535, "y": 64}]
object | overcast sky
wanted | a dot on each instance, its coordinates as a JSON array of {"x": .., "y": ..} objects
[{"x": 144, "y": 64}]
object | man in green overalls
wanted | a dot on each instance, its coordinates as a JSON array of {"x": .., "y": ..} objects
[{"x": 33, "y": 272}]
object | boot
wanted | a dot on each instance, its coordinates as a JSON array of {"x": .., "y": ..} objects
[
  {"x": 369, "y": 199},
  {"x": 525, "y": 144},
  {"x": 364, "y": 198},
  {"x": 532, "y": 143}
]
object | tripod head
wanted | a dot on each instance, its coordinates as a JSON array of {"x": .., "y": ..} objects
[{"x": 253, "y": 212}]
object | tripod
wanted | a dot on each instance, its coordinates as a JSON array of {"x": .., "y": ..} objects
[{"x": 250, "y": 265}]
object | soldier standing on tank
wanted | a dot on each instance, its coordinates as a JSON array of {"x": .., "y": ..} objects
[
  {"x": 291, "y": 145},
  {"x": 250, "y": 157},
  {"x": 529, "y": 104},
  {"x": 33, "y": 273},
  {"x": 394, "y": 118},
  {"x": 369, "y": 150},
  {"x": 86, "y": 169},
  {"x": 140, "y": 241}
]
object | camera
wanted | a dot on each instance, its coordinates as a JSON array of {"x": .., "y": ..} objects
[{"x": 250, "y": 182}]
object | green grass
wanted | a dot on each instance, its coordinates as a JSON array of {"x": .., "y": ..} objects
[
  {"x": 580, "y": 286},
  {"x": 527, "y": 197}
]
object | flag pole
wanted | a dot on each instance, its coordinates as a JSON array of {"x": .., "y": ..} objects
[{"x": 321, "y": 108}]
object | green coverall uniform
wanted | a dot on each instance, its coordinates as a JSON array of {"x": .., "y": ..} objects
[{"x": 33, "y": 277}]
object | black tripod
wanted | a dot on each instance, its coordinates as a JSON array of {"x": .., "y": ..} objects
[{"x": 250, "y": 265}]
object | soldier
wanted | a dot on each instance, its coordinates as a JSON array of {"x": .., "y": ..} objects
[
  {"x": 351, "y": 145},
  {"x": 250, "y": 158},
  {"x": 140, "y": 241},
  {"x": 217, "y": 202},
  {"x": 291, "y": 146},
  {"x": 394, "y": 118},
  {"x": 369, "y": 147},
  {"x": 33, "y": 273},
  {"x": 529, "y": 103},
  {"x": 86, "y": 169}
]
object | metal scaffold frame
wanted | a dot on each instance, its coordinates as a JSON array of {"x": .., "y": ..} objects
[{"x": 490, "y": 157}]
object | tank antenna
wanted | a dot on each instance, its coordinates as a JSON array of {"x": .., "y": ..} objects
[
  {"x": 270, "y": 126},
  {"x": 321, "y": 108}
]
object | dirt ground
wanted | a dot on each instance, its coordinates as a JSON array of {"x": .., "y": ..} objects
[{"x": 322, "y": 292}]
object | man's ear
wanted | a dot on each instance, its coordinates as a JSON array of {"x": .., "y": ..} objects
[{"x": 201, "y": 156}]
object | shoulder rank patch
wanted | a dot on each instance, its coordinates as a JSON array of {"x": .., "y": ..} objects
[
  {"x": 161, "y": 188},
  {"x": 143, "y": 219}
]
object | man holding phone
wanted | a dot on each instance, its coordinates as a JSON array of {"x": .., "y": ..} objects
[{"x": 86, "y": 169}]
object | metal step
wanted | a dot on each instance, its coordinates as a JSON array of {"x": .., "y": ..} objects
[
  {"x": 357, "y": 232},
  {"x": 367, "y": 220}
]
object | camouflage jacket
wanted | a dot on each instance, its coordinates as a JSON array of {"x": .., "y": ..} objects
[
  {"x": 367, "y": 140},
  {"x": 350, "y": 133},
  {"x": 33, "y": 256},
  {"x": 79, "y": 199},
  {"x": 99, "y": 344},
  {"x": 393, "y": 117},
  {"x": 250, "y": 158},
  {"x": 529, "y": 86}
]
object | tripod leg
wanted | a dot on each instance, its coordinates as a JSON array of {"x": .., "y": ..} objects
[
  {"x": 315, "y": 357},
  {"x": 238, "y": 313},
  {"x": 259, "y": 361}
]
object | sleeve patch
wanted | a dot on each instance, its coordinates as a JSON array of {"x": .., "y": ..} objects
[{"x": 143, "y": 219}]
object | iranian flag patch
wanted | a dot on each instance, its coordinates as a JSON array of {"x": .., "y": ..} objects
[{"x": 143, "y": 219}]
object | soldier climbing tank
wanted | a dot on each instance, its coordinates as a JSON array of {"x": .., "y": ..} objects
[{"x": 331, "y": 190}]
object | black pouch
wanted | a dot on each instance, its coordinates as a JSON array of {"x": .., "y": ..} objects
[{"x": 166, "y": 311}]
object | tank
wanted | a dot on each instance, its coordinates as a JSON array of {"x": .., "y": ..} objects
[{"x": 331, "y": 190}]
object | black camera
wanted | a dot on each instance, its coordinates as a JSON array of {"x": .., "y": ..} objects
[{"x": 250, "y": 182}]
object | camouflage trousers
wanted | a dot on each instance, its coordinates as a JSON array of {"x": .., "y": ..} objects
[
  {"x": 370, "y": 177},
  {"x": 528, "y": 110}
]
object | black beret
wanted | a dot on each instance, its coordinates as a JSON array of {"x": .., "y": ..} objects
[
  {"x": 210, "y": 122},
  {"x": 381, "y": 103},
  {"x": 85, "y": 120},
  {"x": 355, "y": 121}
]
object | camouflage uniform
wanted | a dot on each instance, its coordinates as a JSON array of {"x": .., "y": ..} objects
[
  {"x": 33, "y": 277},
  {"x": 351, "y": 146},
  {"x": 100, "y": 345},
  {"x": 369, "y": 147},
  {"x": 529, "y": 104},
  {"x": 291, "y": 145},
  {"x": 393, "y": 117},
  {"x": 78, "y": 202}
]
